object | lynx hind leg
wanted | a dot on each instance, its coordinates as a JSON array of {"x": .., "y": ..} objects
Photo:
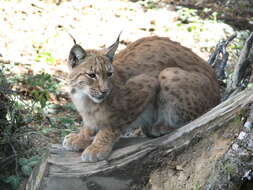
[
  {"x": 140, "y": 92},
  {"x": 183, "y": 97}
]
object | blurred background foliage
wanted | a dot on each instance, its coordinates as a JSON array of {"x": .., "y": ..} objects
[{"x": 35, "y": 108}]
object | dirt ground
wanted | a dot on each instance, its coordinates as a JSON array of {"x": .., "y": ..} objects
[
  {"x": 29, "y": 28},
  {"x": 191, "y": 169}
]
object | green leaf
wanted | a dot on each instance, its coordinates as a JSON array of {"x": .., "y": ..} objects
[
  {"x": 33, "y": 163},
  {"x": 27, "y": 170},
  {"x": 34, "y": 158},
  {"x": 250, "y": 85},
  {"x": 45, "y": 57},
  {"x": 23, "y": 161},
  {"x": 14, "y": 181}
]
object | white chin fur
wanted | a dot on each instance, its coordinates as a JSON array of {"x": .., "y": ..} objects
[
  {"x": 96, "y": 100},
  {"x": 80, "y": 94}
]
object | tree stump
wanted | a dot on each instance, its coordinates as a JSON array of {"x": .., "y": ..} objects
[{"x": 141, "y": 163}]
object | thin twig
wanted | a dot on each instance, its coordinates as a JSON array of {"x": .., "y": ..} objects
[
  {"x": 230, "y": 39},
  {"x": 16, "y": 159},
  {"x": 219, "y": 58},
  {"x": 220, "y": 49},
  {"x": 6, "y": 161}
]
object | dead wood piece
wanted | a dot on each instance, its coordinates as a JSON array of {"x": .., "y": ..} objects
[
  {"x": 242, "y": 72},
  {"x": 238, "y": 79},
  {"x": 219, "y": 60},
  {"x": 220, "y": 50},
  {"x": 130, "y": 166},
  {"x": 220, "y": 69}
]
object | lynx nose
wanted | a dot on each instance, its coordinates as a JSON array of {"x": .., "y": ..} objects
[{"x": 104, "y": 91}]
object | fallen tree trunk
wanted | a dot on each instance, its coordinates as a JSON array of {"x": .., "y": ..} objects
[{"x": 135, "y": 161}]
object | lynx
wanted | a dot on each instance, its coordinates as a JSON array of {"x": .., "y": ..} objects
[{"x": 154, "y": 83}]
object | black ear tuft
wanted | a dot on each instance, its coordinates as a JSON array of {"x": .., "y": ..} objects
[
  {"x": 112, "y": 49},
  {"x": 77, "y": 53}
]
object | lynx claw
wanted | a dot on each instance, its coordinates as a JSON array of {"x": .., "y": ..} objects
[
  {"x": 94, "y": 154},
  {"x": 67, "y": 142},
  {"x": 73, "y": 142}
]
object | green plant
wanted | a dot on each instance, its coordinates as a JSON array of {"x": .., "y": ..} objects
[
  {"x": 214, "y": 16},
  {"x": 27, "y": 165},
  {"x": 40, "y": 85},
  {"x": 43, "y": 80},
  {"x": 64, "y": 122},
  {"x": 13, "y": 180},
  {"x": 229, "y": 167},
  {"x": 45, "y": 57},
  {"x": 149, "y": 4},
  {"x": 250, "y": 85},
  {"x": 16, "y": 138},
  {"x": 197, "y": 186},
  {"x": 187, "y": 15}
]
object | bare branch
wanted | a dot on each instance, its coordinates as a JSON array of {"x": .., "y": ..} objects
[
  {"x": 243, "y": 63},
  {"x": 219, "y": 58},
  {"x": 15, "y": 156}
]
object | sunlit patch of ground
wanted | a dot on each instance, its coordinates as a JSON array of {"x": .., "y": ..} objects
[{"x": 31, "y": 30}]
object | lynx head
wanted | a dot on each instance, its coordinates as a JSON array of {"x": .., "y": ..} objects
[{"x": 91, "y": 72}]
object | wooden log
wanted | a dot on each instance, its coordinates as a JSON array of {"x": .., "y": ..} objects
[{"x": 133, "y": 159}]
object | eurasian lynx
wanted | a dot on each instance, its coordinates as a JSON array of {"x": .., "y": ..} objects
[{"x": 154, "y": 83}]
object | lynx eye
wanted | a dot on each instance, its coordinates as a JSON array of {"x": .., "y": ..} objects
[
  {"x": 109, "y": 74},
  {"x": 92, "y": 75},
  {"x": 82, "y": 83}
]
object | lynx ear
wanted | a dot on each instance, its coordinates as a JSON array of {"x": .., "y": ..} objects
[
  {"x": 112, "y": 49},
  {"x": 77, "y": 53}
]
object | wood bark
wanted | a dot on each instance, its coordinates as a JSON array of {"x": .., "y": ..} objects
[{"x": 133, "y": 159}]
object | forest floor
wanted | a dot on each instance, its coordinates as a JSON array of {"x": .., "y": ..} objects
[{"x": 35, "y": 43}]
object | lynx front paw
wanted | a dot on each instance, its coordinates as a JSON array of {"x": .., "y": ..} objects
[
  {"x": 74, "y": 142},
  {"x": 95, "y": 153}
]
